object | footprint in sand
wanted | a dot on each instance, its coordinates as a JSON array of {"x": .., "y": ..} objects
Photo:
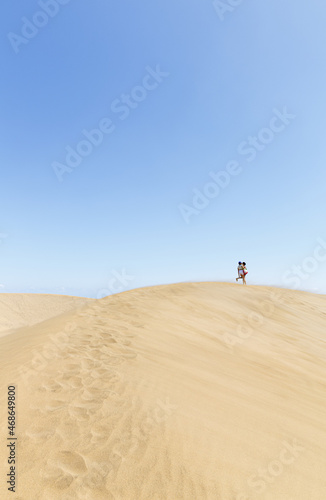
[
  {"x": 109, "y": 339},
  {"x": 62, "y": 468},
  {"x": 96, "y": 475},
  {"x": 39, "y": 434},
  {"x": 79, "y": 413},
  {"x": 100, "y": 433},
  {"x": 91, "y": 406},
  {"x": 84, "y": 335},
  {"x": 75, "y": 382},
  {"x": 55, "y": 477},
  {"x": 90, "y": 393},
  {"x": 112, "y": 339},
  {"x": 89, "y": 364},
  {"x": 54, "y": 405},
  {"x": 70, "y": 461},
  {"x": 43, "y": 406},
  {"x": 119, "y": 349},
  {"x": 108, "y": 375},
  {"x": 113, "y": 360},
  {"x": 51, "y": 386},
  {"x": 68, "y": 430},
  {"x": 63, "y": 482},
  {"x": 89, "y": 381},
  {"x": 71, "y": 368}
]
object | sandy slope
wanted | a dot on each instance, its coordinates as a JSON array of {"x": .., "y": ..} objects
[
  {"x": 25, "y": 309},
  {"x": 208, "y": 391}
]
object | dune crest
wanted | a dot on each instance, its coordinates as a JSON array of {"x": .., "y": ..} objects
[
  {"x": 26, "y": 309},
  {"x": 207, "y": 391}
]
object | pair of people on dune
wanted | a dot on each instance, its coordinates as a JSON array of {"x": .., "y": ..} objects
[{"x": 242, "y": 272}]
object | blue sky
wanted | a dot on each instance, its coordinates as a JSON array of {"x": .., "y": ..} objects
[{"x": 178, "y": 90}]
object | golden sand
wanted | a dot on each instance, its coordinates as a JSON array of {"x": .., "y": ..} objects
[{"x": 208, "y": 391}]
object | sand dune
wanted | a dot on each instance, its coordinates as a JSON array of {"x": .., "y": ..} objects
[
  {"x": 208, "y": 391},
  {"x": 25, "y": 309}
]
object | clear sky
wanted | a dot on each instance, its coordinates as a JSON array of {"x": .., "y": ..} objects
[{"x": 148, "y": 142}]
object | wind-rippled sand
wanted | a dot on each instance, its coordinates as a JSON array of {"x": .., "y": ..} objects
[{"x": 208, "y": 391}]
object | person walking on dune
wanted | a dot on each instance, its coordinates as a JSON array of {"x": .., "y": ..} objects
[
  {"x": 239, "y": 271},
  {"x": 242, "y": 272}
]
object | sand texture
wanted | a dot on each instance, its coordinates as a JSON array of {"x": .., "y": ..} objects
[
  {"x": 208, "y": 391},
  {"x": 26, "y": 309}
]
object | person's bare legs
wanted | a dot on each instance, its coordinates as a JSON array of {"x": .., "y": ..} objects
[{"x": 244, "y": 280}]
